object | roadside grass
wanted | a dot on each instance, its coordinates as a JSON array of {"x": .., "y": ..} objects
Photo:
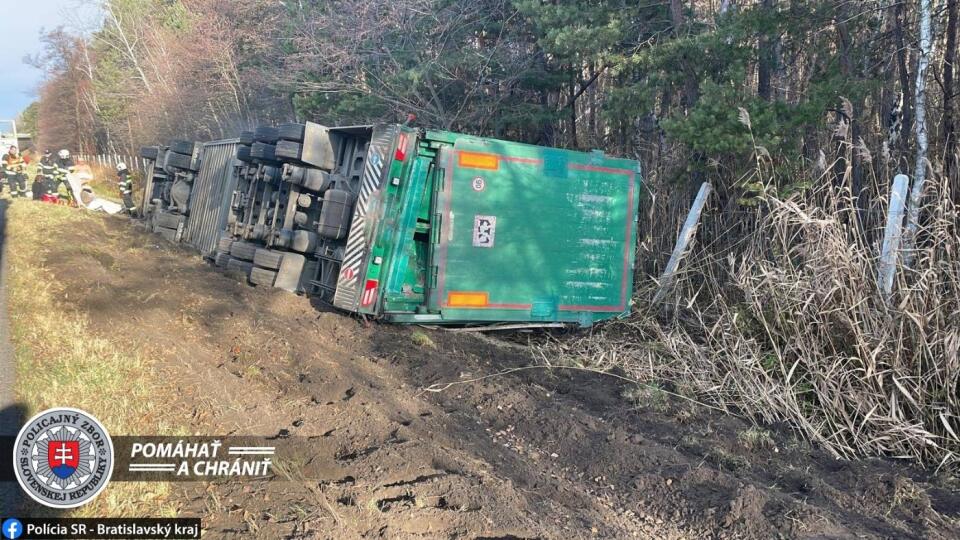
[
  {"x": 61, "y": 362},
  {"x": 756, "y": 438},
  {"x": 104, "y": 182},
  {"x": 422, "y": 340}
]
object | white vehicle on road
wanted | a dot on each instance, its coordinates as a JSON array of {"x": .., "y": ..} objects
[{"x": 8, "y": 134}]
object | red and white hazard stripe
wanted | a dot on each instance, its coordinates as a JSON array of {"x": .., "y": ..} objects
[{"x": 369, "y": 293}]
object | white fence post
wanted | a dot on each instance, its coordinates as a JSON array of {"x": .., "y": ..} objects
[
  {"x": 892, "y": 235},
  {"x": 686, "y": 235}
]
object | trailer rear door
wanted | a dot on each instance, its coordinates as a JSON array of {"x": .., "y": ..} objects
[{"x": 533, "y": 234}]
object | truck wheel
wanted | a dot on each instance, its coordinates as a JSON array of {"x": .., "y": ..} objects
[
  {"x": 238, "y": 268},
  {"x": 221, "y": 260},
  {"x": 149, "y": 152},
  {"x": 180, "y": 161},
  {"x": 243, "y": 154},
  {"x": 288, "y": 150},
  {"x": 266, "y": 134},
  {"x": 243, "y": 250},
  {"x": 223, "y": 246},
  {"x": 247, "y": 138},
  {"x": 266, "y": 152},
  {"x": 291, "y": 132},
  {"x": 268, "y": 258},
  {"x": 169, "y": 221},
  {"x": 182, "y": 147},
  {"x": 261, "y": 276}
]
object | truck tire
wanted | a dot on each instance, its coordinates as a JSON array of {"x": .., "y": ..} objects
[
  {"x": 243, "y": 154},
  {"x": 182, "y": 147},
  {"x": 149, "y": 152},
  {"x": 288, "y": 150},
  {"x": 180, "y": 161},
  {"x": 268, "y": 258},
  {"x": 263, "y": 151},
  {"x": 243, "y": 250},
  {"x": 221, "y": 260},
  {"x": 262, "y": 276},
  {"x": 223, "y": 245},
  {"x": 238, "y": 268},
  {"x": 169, "y": 221},
  {"x": 246, "y": 138},
  {"x": 266, "y": 134},
  {"x": 291, "y": 132}
]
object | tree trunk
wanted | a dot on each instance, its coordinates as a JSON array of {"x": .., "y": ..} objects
[
  {"x": 691, "y": 86},
  {"x": 766, "y": 58},
  {"x": 949, "y": 121},
  {"x": 906, "y": 115},
  {"x": 573, "y": 110},
  {"x": 920, "y": 171}
]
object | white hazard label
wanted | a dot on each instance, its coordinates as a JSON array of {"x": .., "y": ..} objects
[{"x": 484, "y": 230}]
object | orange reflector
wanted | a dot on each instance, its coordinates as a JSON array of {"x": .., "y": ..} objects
[
  {"x": 477, "y": 160},
  {"x": 467, "y": 299}
]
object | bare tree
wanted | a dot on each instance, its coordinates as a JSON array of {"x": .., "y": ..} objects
[{"x": 920, "y": 100}]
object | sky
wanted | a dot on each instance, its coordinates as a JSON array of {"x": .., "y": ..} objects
[{"x": 21, "y": 22}]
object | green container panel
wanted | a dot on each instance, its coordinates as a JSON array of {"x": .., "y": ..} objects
[{"x": 533, "y": 234}]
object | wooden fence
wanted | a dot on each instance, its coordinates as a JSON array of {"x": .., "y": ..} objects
[{"x": 134, "y": 163}]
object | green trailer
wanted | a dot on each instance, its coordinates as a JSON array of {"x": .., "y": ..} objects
[{"x": 455, "y": 229}]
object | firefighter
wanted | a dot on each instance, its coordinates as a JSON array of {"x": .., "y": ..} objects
[
  {"x": 48, "y": 169},
  {"x": 125, "y": 185},
  {"x": 13, "y": 169},
  {"x": 63, "y": 166},
  {"x": 37, "y": 188}
]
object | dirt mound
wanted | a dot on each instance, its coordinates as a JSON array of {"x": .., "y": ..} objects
[{"x": 532, "y": 453}]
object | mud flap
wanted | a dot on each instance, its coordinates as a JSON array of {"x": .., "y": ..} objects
[{"x": 290, "y": 272}]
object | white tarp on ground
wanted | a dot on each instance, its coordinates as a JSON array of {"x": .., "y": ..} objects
[{"x": 84, "y": 195}]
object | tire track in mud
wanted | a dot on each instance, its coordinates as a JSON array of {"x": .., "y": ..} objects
[{"x": 536, "y": 454}]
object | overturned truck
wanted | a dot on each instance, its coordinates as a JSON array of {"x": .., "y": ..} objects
[{"x": 417, "y": 226}]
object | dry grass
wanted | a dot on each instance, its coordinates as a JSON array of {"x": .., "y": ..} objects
[
  {"x": 104, "y": 182},
  {"x": 61, "y": 362},
  {"x": 788, "y": 325},
  {"x": 422, "y": 340}
]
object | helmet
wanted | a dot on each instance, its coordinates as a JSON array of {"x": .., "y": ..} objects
[
  {"x": 63, "y": 154},
  {"x": 121, "y": 167},
  {"x": 47, "y": 152}
]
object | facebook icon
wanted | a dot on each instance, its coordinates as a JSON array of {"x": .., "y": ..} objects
[{"x": 12, "y": 528}]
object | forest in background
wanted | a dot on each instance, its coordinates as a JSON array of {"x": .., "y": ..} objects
[
  {"x": 824, "y": 83},
  {"x": 799, "y": 113}
]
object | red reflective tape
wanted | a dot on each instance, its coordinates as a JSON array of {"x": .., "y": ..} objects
[
  {"x": 528, "y": 161},
  {"x": 369, "y": 293},
  {"x": 401, "y": 147},
  {"x": 609, "y": 170}
]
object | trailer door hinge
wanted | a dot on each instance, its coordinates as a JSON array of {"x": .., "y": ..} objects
[{"x": 435, "y": 228}]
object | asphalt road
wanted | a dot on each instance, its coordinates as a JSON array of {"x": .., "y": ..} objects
[{"x": 10, "y": 411}]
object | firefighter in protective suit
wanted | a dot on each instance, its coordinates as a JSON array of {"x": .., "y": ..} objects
[
  {"x": 48, "y": 169},
  {"x": 63, "y": 165},
  {"x": 125, "y": 185},
  {"x": 14, "y": 169}
]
